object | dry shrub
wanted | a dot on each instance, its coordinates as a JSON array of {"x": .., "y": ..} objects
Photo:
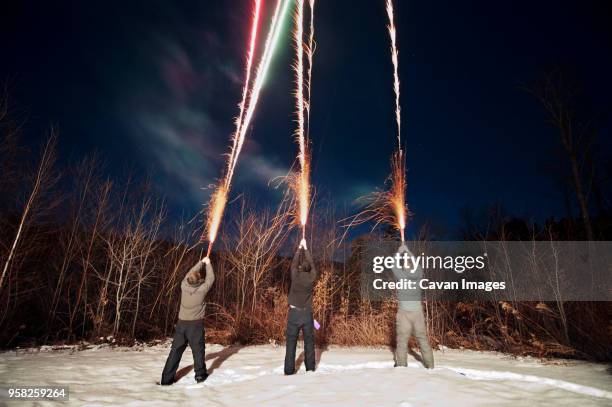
[
  {"x": 367, "y": 326},
  {"x": 101, "y": 266}
]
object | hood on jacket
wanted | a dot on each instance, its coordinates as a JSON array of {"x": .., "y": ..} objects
[{"x": 195, "y": 278}]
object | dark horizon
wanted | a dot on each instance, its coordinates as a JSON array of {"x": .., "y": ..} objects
[{"x": 155, "y": 87}]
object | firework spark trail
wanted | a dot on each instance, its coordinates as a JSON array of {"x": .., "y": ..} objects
[
  {"x": 243, "y": 124},
  {"x": 220, "y": 196},
  {"x": 247, "y": 81},
  {"x": 271, "y": 43},
  {"x": 397, "y": 194},
  {"x": 394, "y": 59},
  {"x": 384, "y": 206},
  {"x": 388, "y": 206},
  {"x": 310, "y": 53},
  {"x": 302, "y": 184},
  {"x": 215, "y": 213}
]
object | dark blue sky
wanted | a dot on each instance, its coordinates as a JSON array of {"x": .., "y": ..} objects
[{"x": 155, "y": 84}]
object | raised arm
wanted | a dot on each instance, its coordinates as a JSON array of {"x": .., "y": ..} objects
[
  {"x": 294, "y": 263},
  {"x": 210, "y": 276},
  {"x": 313, "y": 270},
  {"x": 401, "y": 273}
]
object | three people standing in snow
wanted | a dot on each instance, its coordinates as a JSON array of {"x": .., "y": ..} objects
[
  {"x": 303, "y": 276},
  {"x": 190, "y": 326},
  {"x": 189, "y": 329}
]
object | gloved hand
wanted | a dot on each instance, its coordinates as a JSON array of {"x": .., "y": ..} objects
[
  {"x": 403, "y": 249},
  {"x": 303, "y": 244},
  {"x": 206, "y": 260}
]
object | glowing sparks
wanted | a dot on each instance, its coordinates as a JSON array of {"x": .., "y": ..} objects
[
  {"x": 301, "y": 184},
  {"x": 245, "y": 117},
  {"x": 397, "y": 194},
  {"x": 215, "y": 214},
  {"x": 388, "y": 206},
  {"x": 280, "y": 14},
  {"x": 219, "y": 198},
  {"x": 384, "y": 206},
  {"x": 247, "y": 81},
  {"x": 395, "y": 60},
  {"x": 310, "y": 52},
  {"x": 299, "y": 96}
]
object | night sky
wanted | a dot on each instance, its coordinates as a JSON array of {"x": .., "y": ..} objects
[{"x": 154, "y": 85}]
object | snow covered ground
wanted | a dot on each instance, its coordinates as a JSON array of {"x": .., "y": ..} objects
[{"x": 252, "y": 376}]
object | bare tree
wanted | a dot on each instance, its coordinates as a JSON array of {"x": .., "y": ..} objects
[
  {"x": 174, "y": 258},
  {"x": 129, "y": 250},
  {"x": 254, "y": 251},
  {"x": 100, "y": 220},
  {"x": 84, "y": 177},
  {"x": 146, "y": 250},
  {"x": 41, "y": 180},
  {"x": 558, "y": 96}
]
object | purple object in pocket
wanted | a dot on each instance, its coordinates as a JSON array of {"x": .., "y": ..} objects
[{"x": 317, "y": 325}]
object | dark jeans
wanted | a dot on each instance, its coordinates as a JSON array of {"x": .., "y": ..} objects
[
  {"x": 300, "y": 319},
  {"x": 186, "y": 332}
]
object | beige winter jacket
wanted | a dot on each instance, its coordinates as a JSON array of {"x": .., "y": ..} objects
[{"x": 193, "y": 295}]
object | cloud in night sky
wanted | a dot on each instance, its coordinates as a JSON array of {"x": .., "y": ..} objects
[{"x": 171, "y": 122}]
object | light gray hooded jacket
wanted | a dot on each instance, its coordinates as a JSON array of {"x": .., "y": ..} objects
[
  {"x": 193, "y": 295},
  {"x": 400, "y": 274}
]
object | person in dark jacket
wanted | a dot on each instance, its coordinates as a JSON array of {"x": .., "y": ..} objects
[
  {"x": 303, "y": 276},
  {"x": 190, "y": 326}
]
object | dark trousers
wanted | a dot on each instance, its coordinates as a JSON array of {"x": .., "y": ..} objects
[
  {"x": 300, "y": 319},
  {"x": 186, "y": 332}
]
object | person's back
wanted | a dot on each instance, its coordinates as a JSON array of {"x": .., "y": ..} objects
[
  {"x": 303, "y": 276},
  {"x": 409, "y": 318},
  {"x": 193, "y": 293},
  {"x": 302, "y": 282},
  {"x": 409, "y": 300},
  {"x": 190, "y": 326}
]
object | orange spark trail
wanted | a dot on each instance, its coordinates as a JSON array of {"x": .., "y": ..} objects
[
  {"x": 388, "y": 206},
  {"x": 215, "y": 213},
  {"x": 220, "y": 196},
  {"x": 397, "y": 194},
  {"x": 302, "y": 185}
]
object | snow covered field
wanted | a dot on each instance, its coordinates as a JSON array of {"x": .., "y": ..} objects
[{"x": 252, "y": 376}]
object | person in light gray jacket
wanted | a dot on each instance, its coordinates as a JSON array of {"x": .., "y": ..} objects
[
  {"x": 409, "y": 319},
  {"x": 190, "y": 326}
]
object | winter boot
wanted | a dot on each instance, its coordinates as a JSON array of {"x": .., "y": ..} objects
[{"x": 200, "y": 379}]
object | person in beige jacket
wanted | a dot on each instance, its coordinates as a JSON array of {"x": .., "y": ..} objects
[
  {"x": 410, "y": 319},
  {"x": 190, "y": 326}
]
